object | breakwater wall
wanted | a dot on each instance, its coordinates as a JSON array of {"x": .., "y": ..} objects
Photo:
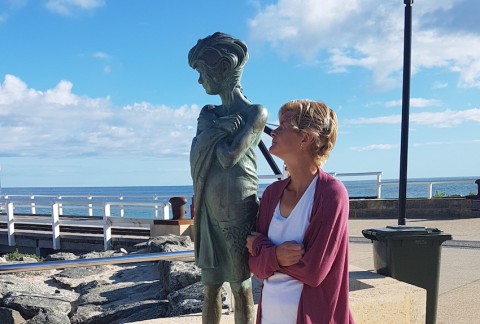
[{"x": 447, "y": 208}]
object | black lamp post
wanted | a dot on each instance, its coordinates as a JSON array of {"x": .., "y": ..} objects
[{"x": 407, "y": 49}]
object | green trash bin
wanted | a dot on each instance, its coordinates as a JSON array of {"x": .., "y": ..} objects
[{"x": 410, "y": 254}]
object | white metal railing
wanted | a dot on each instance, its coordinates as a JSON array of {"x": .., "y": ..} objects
[
  {"x": 428, "y": 184},
  {"x": 32, "y": 201},
  {"x": 108, "y": 220},
  {"x": 379, "y": 184},
  {"x": 377, "y": 174},
  {"x": 10, "y": 203}
]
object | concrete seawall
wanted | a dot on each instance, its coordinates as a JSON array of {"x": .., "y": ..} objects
[{"x": 446, "y": 208}]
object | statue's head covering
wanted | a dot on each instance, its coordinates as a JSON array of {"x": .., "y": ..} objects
[{"x": 217, "y": 48}]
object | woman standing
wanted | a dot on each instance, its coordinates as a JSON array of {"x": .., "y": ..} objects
[{"x": 300, "y": 249}]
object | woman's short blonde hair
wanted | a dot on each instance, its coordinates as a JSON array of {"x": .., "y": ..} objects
[{"x": 317, "y": 118}]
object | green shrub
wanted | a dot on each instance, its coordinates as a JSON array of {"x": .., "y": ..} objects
[
  {"x": 16, "y": 256},
  {"x": 439, "y": 194}
]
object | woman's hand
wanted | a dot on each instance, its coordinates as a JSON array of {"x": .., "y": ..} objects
[
  {"x": 250, "y": 239},
  {"x": 289, "y": 253}
]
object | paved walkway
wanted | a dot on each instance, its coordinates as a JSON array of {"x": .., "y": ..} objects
[
  {"x": 459, "y": 283},
  {"x": 459, "y": 291}
]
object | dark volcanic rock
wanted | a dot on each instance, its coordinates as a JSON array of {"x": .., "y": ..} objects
[
  {"x": 61, "y": 256},
  {"x": 175, "y": 275},
  {"x": 11, "y": 316},
  {"x": 189, "y": 300},
  {"x": 108, "y": 293},
  {"x": 169, "y": 243},
  {"x": 50, "y": 317}
]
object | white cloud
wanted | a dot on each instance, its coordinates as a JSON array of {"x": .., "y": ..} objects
[
  {"x": 439, "y": 85},
  {"x": 393, "y": 119},
  {"x": 373, "y": 147},
  {"x": 68, "y": 7},
  {"x": 445, "y": 143},
  {"x": 369, "y": 34},
  {"x": 13, "y": 89},
  {"x": 101, "y": 55},
  {"x": 447, "y": 118},
  {"x": 106, "y": 59},
  {"x": 444, "y": 119},
  {"x": 61, "y": 94},
  {"x": 58, "y": 123},
  {"x": 415, "y": 102}
]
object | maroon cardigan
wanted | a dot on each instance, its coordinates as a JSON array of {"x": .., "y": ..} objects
[{"x": 324, "y": 267}]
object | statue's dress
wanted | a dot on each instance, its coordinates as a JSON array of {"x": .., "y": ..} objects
[{"x": 226, "y": 205}]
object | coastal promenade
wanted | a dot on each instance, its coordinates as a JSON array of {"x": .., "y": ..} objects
[
  {"x": 459, "y": 282},
  {"x": 459, "y": 291}
]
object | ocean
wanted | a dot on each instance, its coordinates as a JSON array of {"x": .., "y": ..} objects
[{"x": 44, "y": 196}]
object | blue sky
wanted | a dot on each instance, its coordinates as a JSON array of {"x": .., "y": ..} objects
[{"x": 99, "y": 92}]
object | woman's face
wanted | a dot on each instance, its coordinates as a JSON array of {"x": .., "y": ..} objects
[
  {"x": 285, "y": 139},
  {"x": 210, "y": 83}
]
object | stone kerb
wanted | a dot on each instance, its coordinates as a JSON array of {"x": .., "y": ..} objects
[{"x": 375, "y": 299}]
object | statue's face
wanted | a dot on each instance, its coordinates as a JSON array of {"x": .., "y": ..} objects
[{"x": 208, "y": 80}]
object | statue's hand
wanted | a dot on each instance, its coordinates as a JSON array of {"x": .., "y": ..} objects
[{"x": 229, "y": 124}]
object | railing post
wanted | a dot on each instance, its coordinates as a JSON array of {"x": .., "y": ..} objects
[
  {"x": 10, "y": 224},
  {"x": 60, "y": 207},
  {"x": 166, "y": 211},
  {"x": 379, "y": 185},
  {"x": 430, "y": 190},
  {"x": 56, "y": 226},
  {"x": 90, "y": 207},
  {"x": 34, "y": 211},
  {"x": 155, "y": 208},
  {"x": 122, "y": 210},
  {"x": 107, "y": 227}
]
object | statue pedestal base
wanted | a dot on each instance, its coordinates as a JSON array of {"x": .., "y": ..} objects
[{"x": 181, "y": 227}]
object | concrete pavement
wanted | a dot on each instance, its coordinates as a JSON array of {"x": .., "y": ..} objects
[
  {"x": 459, "y": 283},
  {"x": 459, "y": 291}
]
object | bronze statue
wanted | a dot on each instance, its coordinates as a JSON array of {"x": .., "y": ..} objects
[{"x": 224, "y": 172}]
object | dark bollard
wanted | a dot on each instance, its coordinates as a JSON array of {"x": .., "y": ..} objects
[
  {"x": 192, "y": 208},
  {"x": 178, "y": 207}
]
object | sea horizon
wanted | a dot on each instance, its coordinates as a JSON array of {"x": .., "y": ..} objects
[{"x": 362, "y": 187}]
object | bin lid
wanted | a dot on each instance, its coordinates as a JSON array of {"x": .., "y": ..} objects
[{"x": 401, "y": 231}]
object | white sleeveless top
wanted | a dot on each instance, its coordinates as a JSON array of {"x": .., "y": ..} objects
[{"x": 281, "y": 293}]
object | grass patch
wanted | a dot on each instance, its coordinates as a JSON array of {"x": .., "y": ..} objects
[
  {"x": 439, "y": 194},
  {"x": 17, "y": 256}
]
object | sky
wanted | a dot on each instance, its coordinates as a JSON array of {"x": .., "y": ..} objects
[{"x": 99, "y": 92}]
